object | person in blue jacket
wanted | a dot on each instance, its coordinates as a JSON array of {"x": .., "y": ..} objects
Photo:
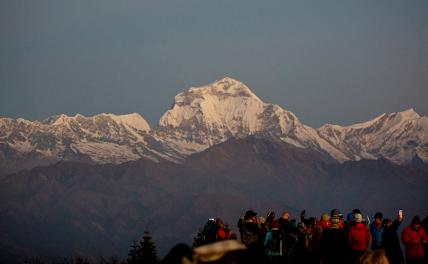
[{"x": 376, "y": 231}]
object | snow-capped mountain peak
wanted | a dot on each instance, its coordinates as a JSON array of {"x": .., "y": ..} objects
[
  {"x": 220, "y": 105},
  {"x": 227, "y": 108},
  {"x": 396, "y": 136},
  {"x": 133, "y": 120},
  {"x": 410, "y": 114}
]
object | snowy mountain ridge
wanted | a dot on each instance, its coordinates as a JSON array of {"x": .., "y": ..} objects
[
  {"x": 205, "y": 116},
  {"x": 103, "y": 138},
  {"x": 225, "y": 109},
  {"x": 398, "y": 137}
]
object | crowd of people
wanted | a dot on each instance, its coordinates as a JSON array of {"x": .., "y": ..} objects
[{"x": 333, "y": 238}]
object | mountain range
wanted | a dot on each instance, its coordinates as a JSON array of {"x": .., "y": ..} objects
[
  {"x": 91, "y": 185},
  {"x": 200, "y": 118}
]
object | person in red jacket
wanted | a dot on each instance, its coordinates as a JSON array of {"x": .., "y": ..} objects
[
  {"x": 414, "y": 238},
  {"x": 358, "y": 239}
]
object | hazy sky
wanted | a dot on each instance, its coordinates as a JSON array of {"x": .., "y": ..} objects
[{"x": 327, "y": 61}]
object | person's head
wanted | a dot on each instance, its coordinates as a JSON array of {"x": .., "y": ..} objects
[
  {"x": 178, "y": 253},
  {"x": 378, "y": 218},
  {"x": 325, "y": 217},
  {"x": 386, "y": 222},
  {"x": 219, "y": 222},
  {"x": 285, "y": 215},
  {"x": 416, "y": 222},
  {"x": 374, "y": 257},
  {"x": 334, "y": 222},
  {"x": 358, "y": 218},
  {"x": 250, "y": 214},
  {"x": 336, "y": 212}
]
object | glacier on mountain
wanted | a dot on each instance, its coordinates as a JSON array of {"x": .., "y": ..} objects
[{"x": 208, "y": 115}]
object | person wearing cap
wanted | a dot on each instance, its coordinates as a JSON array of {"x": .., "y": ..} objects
[
  {"x": 336, "y": 212},
  {"x": 333, "y": 243},
  {"x": 376, "y": 231},
  {"x": 250, "y": 228},
  {"x": 358, "y": 238},
  {"x": 414, "y": 238},
  {"x": 251, "y": 236}
]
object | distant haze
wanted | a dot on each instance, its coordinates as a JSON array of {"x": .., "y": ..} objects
[{"x": 337, "y": 62}]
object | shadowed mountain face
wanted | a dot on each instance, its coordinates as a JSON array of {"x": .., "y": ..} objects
[{"x": 89, "y": 209}]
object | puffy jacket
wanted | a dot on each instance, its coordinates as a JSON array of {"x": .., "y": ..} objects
[
  {"x": 413, "y": 240},
  {"x": 359, "y": 237}
]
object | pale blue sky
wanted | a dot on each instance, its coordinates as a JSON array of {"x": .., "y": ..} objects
[{"x": 327, "y": 61}]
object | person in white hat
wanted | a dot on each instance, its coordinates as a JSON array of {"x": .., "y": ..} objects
[{"x": 358, "y": 239}]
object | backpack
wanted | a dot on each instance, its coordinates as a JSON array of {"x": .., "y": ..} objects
[
  {"x": 250, "y": 233},
  {"x": 276, "y": 244}
]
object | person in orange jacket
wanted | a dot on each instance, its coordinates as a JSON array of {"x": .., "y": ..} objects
[
  {"x": 358, "y": 239},
  {"x": 414, "y": 238}
]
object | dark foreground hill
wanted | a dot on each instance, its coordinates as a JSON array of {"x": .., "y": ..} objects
[{"x": 92, "y": 210}]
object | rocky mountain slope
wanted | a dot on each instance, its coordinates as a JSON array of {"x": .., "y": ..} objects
[{"x": 99, "y": 209}]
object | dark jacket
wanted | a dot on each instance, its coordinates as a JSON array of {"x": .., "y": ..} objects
[
  {"x": 250, "y": 232},
  {"x": 391, "y": 243},
  {"x": 333, "y": 246}
]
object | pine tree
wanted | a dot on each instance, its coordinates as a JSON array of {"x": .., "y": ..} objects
[
  {"x": 143, "y": 252},
  {"x": 133, "y": 253},
  {"x": 148, "y": 250}
]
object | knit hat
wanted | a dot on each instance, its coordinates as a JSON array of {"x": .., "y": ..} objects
[
  {"x": 358, "y": 218},
  {"x": 325, "y": 217}
]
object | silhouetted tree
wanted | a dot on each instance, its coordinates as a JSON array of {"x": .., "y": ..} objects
[
  {"x": 133, "y": 254},
  {"x": 75, "y": 260},
  {"x": 34, "y": 260},
  {"x": 143, "y": 252},
  {"x": 111, "y": 260}
]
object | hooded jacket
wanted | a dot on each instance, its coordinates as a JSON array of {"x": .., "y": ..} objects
[
  {"x": 414, "y": 241},
  {"x": 359, "y": 237}
]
